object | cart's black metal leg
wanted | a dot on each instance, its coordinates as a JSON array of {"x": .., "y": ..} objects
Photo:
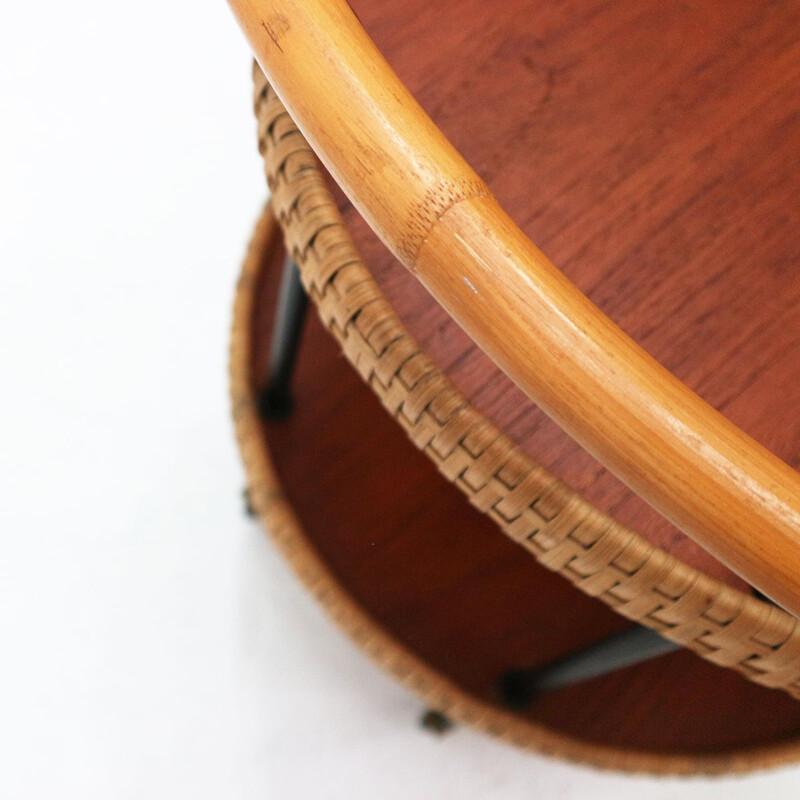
[
  {"x": 519, "y": 688},
  {"x": 435, "y": 722},
  {"x": 275, "y": 401},
  {"x": 249, "y": 508}
]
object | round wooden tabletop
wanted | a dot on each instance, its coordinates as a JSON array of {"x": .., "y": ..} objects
[{"x": 651, "y": 150}]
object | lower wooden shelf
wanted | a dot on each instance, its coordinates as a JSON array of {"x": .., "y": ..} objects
[{"x": 431, "y": 590}]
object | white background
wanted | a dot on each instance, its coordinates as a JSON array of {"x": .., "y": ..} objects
[{"x": 153, "y": 644}]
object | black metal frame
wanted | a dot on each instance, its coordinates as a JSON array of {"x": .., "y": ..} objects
[
  {"x": 519, "y": 688},
  {"x": 275, "y": 400}
]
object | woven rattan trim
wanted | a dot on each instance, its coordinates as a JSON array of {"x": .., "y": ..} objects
[
  {"x": 437, "y": 691},
  {"x": 541, "y": 513}
]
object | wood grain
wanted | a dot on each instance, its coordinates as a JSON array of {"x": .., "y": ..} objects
[
  {"x": 706, "y": 475},
  {"x": 468, "y": 603},
  {"x": 692, "y": 116}
]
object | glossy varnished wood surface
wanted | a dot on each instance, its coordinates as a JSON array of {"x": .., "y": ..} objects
[
  {"x": 448, "y": 585},
  {"x": 651, "y": 150},
  {"x": 706, "y": 475}
]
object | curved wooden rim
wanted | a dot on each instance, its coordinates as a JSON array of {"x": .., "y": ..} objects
[
  {"x": 705, "y": 475},
  {"x": 286, "y": 532},
  {"x": 533, "y": 508}
]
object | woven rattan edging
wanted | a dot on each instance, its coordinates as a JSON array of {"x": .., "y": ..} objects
[
  {"x": 283, "y": 526},
  {"x": 564, "y": 532}
]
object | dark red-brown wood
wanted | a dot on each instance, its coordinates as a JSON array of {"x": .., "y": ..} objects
[
  {"x": 447, "y": 584},
  {"x": 651, "y": 149}
]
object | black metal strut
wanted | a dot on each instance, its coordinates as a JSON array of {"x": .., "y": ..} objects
[
  {"x": 519, "y": 688},
  {"x": 275, "y": 400}
]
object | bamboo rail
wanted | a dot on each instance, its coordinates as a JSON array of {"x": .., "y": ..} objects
[{"x": 432, "y": 210}]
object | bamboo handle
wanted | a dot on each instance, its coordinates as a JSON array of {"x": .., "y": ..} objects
[{"x": 710, "y": 479}]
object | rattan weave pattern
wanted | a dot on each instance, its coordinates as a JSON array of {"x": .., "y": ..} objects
[
  {"x": 435, "y": 689},
  {"x": 564, "y": 532}
]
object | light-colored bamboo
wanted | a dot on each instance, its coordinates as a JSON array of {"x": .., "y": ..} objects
[
  {"x": 726, "y": 491},
  {"x": 547, "y": 518}
]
